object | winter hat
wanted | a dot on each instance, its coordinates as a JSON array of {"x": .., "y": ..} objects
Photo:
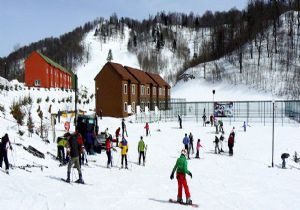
[{"x": 184, "y": 152}]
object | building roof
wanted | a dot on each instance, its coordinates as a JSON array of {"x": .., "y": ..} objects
[
  {"x": 122, "y": 72},
  {"x": 51, "y": 62},
  {"x": 157, "y": 78},
  {"x": 140, "y": 75}
]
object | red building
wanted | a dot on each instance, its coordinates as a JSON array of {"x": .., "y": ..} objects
[{"x": 41, "y": 71}]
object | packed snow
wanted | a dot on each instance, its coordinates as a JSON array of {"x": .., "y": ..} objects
[{"x": 243, "y": 181}]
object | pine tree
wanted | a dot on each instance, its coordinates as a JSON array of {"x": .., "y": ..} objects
[{"x": 109, "y": 56}]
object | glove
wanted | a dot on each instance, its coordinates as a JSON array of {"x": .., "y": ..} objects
[
  {"x": 172, "y": 176},
  {"x": 190, "y": 174}
]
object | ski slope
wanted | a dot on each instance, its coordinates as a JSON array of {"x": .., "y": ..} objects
[{"x": 243, "y": 181}]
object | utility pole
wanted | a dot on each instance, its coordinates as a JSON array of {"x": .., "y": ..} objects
[
  {"x": 273, "y": 104},
  {"x": 76, "y": 98}
]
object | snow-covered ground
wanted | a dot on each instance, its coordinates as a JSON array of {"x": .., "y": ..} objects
[
  {"x": 201, "y": 90},
  {"x": 243, "y": 181}
]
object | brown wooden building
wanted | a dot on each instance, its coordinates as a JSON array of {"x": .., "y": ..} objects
[
  {"x": 163, "y": 91},
  {"x": 145, "y": 88},
  {"x": 117, "y": 87}
]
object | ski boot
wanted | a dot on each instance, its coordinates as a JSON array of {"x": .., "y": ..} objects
[
  {"x": 179, "y": 200},
  {"x": 189, "y": 201},
  {"x": 80, "y": 180},
  {"x": 126, "y": 167},
  {"x": 6, "y": 171},
  {"x": 68, "y": 179}
]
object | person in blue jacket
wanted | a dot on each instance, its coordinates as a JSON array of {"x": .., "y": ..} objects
[{"x": 186, "y": 142}]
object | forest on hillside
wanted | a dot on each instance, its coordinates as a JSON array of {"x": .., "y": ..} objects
[{"x": 215, "y": 35}]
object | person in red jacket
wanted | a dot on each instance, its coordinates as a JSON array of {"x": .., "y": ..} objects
[
  {"x": 108, "y": 152},
  {"x": 80, "y": 143},
  {"x": 231, "y": 143},
  {"x": 147, "y": 128}
]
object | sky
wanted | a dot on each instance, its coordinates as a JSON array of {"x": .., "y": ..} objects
[{"x": 25, "y": 21}]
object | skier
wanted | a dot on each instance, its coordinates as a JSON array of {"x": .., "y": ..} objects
[
  {"x": 61, "y": 144},
  {"x": 244, "y": 126},
  {"x": 198, "y": 148},
  {"x": 108, "y": 151},
  {"x": 181, "y": 169},
  {"x": 211, "y": 119},
  {"x": 217, "y": 145},
  {"x": 204, "y": 119},
  {"x": 141, "y": 150},
  {"x": 180, "y": 122},
  {"x": 191, "y": 144},
  {"x": 80, "y": 143},
  {"x": 90, "y": 137},
  {"x": 4, "y": 146},
  {"x": 231, "y": 143},
  {"x": 283, "y": 157},
  {"x": 216, "y": 124},
  {"x": 124, "y": 128},
  {"x": 147, "y": 128},
  {"x": 233, "y": 131},
  {"x": 74, "y": 152},
  {"x": 221, "y": 141},
  {"x": 124, "y": 149},
  {"x": 220, "y": 125},
  {"x": 186, "y": 142},
  {"x": 100, "y": 114}
]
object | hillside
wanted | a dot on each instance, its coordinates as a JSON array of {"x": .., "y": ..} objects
[{"x": 259, "y": 66}]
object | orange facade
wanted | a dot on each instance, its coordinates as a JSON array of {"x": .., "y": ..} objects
[{"x": 41, "y": 73}]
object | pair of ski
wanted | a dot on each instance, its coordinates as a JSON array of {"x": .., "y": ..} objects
[
  {"x": 77, "y": 182},
  {"x": 185, "y": 204}
]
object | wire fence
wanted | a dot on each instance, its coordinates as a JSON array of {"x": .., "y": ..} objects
[{"x": 285, "y": 112}]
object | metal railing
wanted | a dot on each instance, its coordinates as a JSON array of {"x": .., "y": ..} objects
[{"x": 240, "y": 111}]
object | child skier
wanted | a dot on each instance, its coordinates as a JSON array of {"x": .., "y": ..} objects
[
  {"x": 181, "y": 169},
  {"x": 124, "y": 150},
  {"x": 198, "y": 148}
]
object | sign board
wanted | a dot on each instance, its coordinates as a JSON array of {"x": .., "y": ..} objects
[{"x": 223, "y": 109}]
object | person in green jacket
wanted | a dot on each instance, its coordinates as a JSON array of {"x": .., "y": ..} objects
[
  {"x": 142, "y": 150},
  {"x": 181, "y": 168},
  {"x": 61, "y": 145}
]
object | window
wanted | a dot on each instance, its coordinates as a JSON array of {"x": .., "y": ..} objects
[
  {"x": 37, "y": 82},
  {"x": 159, "y": 91},
  {"x": 154, "y": 90},
  {"x": 168, "y": 92},
  {"x": 133, "y": 106},
  {"x": 125, "y": 106},
  {"x": 51, "y": 71},
  {"x": 142, "y": 90},
  {"x": 125, "y": 88},
  {"x": 47, "y": 70},
  {"x": 163, "y": 91},
  {"x": 148, "y": 90},
  {"x": 133, "y": 89}
]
